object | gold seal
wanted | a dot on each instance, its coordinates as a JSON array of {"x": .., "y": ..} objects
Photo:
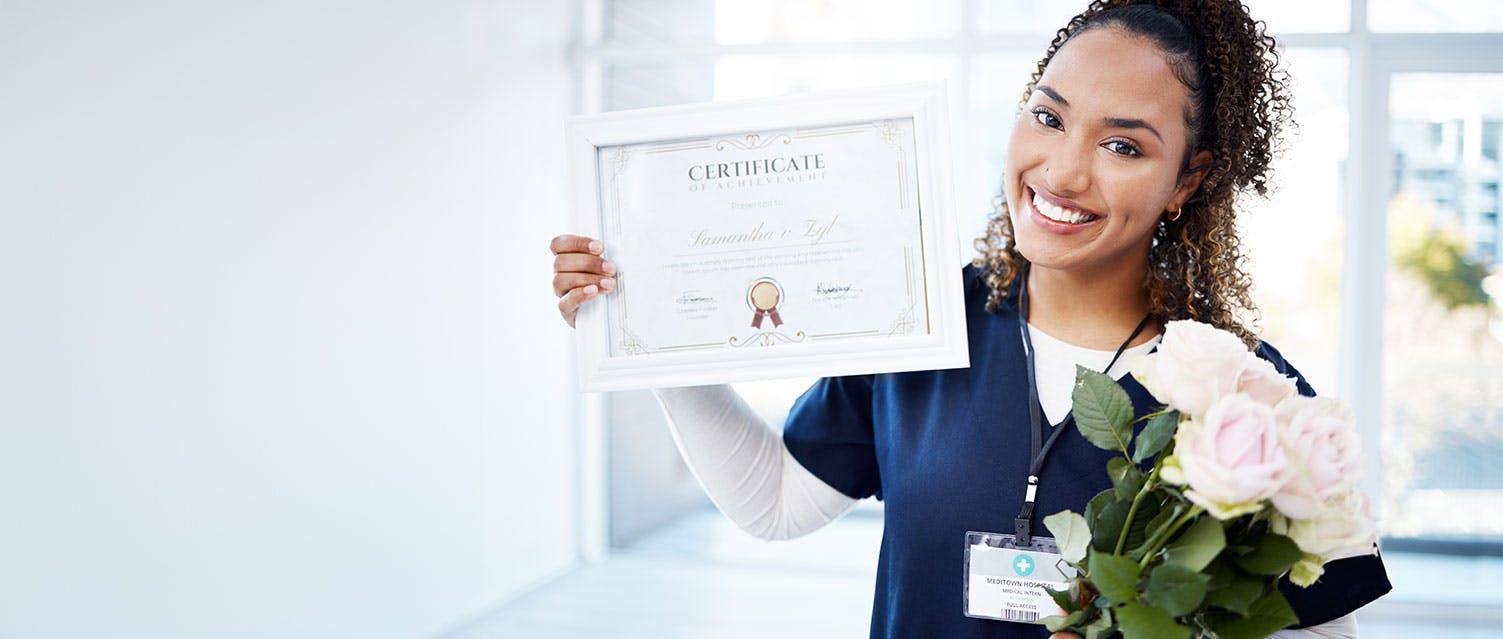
[{"x": 765, "y": 295}]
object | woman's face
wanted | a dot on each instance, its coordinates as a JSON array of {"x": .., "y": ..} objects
[{"x": 1095, "y": 157}]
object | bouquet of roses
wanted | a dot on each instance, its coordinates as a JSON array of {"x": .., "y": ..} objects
[{"x": 1250, "y": 483}]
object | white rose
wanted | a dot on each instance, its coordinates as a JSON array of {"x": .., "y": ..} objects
[
  {"x": 1324, "y": 450},
  {"x": 1194, "y": 366},
  {"x": 1231, "y": 460},
  {"x": 1342, "y": 528},
  {"x": 1305, "y": 571},
  {"x": 1309, "y": 568}
]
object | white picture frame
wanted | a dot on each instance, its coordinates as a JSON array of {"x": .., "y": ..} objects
[{"x": 630, "y": 192}]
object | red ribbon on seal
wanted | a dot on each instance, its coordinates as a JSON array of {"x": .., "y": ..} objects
[{"x": 773, "y": 313}]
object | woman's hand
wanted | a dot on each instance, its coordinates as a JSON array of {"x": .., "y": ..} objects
[{"x": 579, "y": 273}]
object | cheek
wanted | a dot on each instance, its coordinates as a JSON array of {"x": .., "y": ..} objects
[
  {"x": 1014, "y": 165},
  {"x": 1025, "y": 155},
  {"x": 1138, "y": 198}
]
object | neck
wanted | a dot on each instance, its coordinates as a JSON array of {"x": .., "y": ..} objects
[{"x": 1094, "y": 310}]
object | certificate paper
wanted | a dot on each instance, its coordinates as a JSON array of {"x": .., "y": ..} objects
[
  {"x": 773, "y": 250},
  {"x": 771, "y": 238}
]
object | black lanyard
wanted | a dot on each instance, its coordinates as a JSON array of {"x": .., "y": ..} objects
[{"x": 1022, "y": 526}]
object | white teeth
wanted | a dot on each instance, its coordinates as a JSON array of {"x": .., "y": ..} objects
[{"x": 1058, "y": 214}]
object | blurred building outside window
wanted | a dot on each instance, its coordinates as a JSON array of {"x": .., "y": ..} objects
[{"x": 1443, "y": 401}]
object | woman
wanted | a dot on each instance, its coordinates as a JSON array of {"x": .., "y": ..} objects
[{"x": 1143, "y": 123}]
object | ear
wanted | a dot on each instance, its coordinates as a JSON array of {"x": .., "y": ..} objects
[{"x": 1199, "y": 165}]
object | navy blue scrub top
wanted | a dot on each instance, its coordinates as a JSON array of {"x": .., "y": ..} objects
[{"x": 947, "y": 452}]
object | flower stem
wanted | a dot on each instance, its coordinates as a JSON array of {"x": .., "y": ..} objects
[
  {"x": 1158, "y": 541},
  {"x": 1133, "y": 510}
]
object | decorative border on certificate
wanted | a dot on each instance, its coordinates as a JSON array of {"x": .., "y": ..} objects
[
  {"x": 795, "y": 236},
  {"x": 895, "y": 135}
]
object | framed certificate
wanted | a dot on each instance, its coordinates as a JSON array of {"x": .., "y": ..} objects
[{"x": 805, "y": 235}]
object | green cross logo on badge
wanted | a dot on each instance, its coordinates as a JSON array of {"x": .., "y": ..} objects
[{"x": 1023, "y": 565}]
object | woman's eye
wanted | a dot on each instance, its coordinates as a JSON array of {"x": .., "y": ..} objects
[
  {"x": 1123, "y": 148},
  {"x": 1046, "y": 118}
]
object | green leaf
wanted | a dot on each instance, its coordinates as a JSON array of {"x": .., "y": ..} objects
[
  {"x": 1127, "y": 480},
  {"x": 1063, "y": 599},
  {"x": 1098, "y": 503},
  {"x": 1238, "y": 595},
  {"x": 1108, "y": 524},
  {"x": 1116, "y": 577},
  {"x": 1267, "y": 615},
  {"x": 1137, "y": 533},
  {"x": 1273, "y": 556},
  {"x": 1197, "y": 545},
  {"x": 1175, "y": 590},
  {"x": 1155, "y": 435},
  {"x": 1102, "y": 410},
  {"x": 1138, "y": 621},
  {"x": 1056, "y": 623},
  {"x": 1221, "y": 572},
  {"x": 1101, "y": 627},
  {"x": 1071, "y": 534},
  {"x": 1156, "y": 525}
]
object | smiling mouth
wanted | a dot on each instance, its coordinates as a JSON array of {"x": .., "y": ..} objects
[{"x": 1060, "y": 214}]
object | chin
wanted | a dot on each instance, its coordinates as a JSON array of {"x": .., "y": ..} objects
[{"x": 1034, "y": 255}]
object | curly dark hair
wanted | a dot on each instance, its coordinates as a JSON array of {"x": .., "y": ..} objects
[{"x": 1239, "y": 107}]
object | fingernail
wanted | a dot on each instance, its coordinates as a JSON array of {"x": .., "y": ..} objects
[
  {"x": 608, "y": 268},
  {"x": 590, "y": 290},
  {"x": 595, "y": 247},
  {"x": 607, "y": 284}
]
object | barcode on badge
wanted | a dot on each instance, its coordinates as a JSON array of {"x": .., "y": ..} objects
[{"x": 1020, "y": 615}]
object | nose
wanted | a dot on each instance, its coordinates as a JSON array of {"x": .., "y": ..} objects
[{"x": 1067, "y": 170}]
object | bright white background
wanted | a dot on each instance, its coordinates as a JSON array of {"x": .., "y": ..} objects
[{"x": 277, "y": 350}]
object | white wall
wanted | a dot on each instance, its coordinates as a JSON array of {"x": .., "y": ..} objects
[
  {"x": 277, "y": 353},
  {"x": 649, "y": 483}
]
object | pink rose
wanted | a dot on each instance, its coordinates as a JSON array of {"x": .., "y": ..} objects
[
  {"x": 1195, "y": 365},
  {"x": 1232, "y": 459},
  {"x": 1324, "y": 450},
  {"x": 1264, "y": 382}
]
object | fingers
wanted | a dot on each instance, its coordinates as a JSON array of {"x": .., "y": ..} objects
[
  {"x": 575, "y": 244},
  {"x": 583, "y": 263},
  {"x": 568, "y": 305},
  {"x": 565, "y": 282},
  {"x": 579, "y": 272}
]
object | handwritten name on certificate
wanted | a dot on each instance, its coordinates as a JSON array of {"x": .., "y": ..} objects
[{"x": 765, "y": 239}]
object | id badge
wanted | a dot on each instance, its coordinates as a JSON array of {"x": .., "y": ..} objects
[{"x": 1005, "y": 580}]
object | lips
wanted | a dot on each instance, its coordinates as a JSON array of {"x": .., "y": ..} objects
[{"x": 1058, "y": 212}]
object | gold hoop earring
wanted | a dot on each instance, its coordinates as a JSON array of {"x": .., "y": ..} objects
[{"x": 1173, "y": 215}]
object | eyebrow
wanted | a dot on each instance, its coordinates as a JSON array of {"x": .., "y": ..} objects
[
  {"x": 1132, "y": 123},
  {"x": 1049, "y": 91},
  {"x": 1120, "y": 123}
]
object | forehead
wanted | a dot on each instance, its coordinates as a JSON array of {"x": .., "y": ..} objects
[{"x": 1107, "y": 72}]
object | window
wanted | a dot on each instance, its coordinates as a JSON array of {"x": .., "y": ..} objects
[
  {"x": 1443, "y": 407},
  {"x": 1422, "y": 16}
]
